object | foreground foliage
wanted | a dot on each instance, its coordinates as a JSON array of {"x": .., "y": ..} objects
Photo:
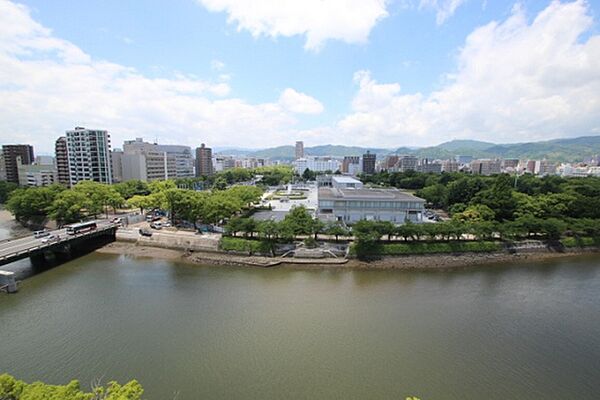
[{"x": 13, "y": 389}]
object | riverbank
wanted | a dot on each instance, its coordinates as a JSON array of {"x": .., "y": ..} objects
[
  {"x": 9, "y": 227},
  {"x": 408, "y": 262}
]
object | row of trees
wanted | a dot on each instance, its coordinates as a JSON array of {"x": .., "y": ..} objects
[
  {"x": 509, "y": 197},
  {"x": 210, "y": 207},
  {"x": 89, "y": 199},
  {"x": 298, "y": 222}
]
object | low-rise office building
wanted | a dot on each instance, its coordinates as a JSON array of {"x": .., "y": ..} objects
[
  {"x": 37, "y": 175},
  {"x": 350, "y": 205}
]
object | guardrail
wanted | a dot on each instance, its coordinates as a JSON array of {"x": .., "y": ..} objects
[{"x": 63, "y": 240}]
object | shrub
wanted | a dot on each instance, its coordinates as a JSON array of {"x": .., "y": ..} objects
[{"x": 245, "y": 245}]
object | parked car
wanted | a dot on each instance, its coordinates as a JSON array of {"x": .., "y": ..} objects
[
  {"x": 145, "y": 232},
  {"x": 166, "y": 224},
  {"x": 116, "y": 220},
  {"x": 50, "y": 239},
  {"x": 156, "y": 225},
  {"x": 40, "y": 234}
]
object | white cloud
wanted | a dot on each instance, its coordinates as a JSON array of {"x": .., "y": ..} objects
[
  {"x": 49, "y": 85},
  {"x": 300, "y": 103},
  {"x": 320, "y": 20},
  {"x": 444, "y": 9},
  {"x": 515, "y": 81}
]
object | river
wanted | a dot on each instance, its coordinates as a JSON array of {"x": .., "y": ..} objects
[{"x": 201, "y": 332}]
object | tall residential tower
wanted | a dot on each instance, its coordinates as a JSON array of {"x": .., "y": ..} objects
[{"x": 88, "y": 152}]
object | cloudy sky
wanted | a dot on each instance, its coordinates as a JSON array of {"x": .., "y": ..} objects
[{"x": 262, "y": 73}]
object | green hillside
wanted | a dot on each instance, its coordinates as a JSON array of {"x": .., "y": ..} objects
[{"x": 575, "y": 149}]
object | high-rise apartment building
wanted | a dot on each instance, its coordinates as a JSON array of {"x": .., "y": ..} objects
[
  {"x": 88, "y": 152},
  {"x": 62, "y": 161},
  {"x": 299, "y": 149},
  {"x": 13, "y": 154},
  {"x": 204, "y": 165},
  {"x": 369, "y": 160}
]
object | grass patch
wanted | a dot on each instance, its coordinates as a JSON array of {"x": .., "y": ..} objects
[
  {"x": 396, "y": 249},
  {"x": 571, "y": 242},
  {"x": 242, "y": 245}
]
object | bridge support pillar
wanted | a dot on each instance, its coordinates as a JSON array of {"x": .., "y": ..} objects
[{"x": 8, "y": 282}]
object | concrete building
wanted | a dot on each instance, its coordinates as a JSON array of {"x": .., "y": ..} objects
[
  {"x": 62, "y": 161},
  {"x": 351, "y": 165},
  {"x": 546, "y": 168},
  {"x": 204, "y": 165},
  {"x": 368, "y": 160},
  {"x": 406, "y": 163},
  {"x": 88, "y": 152},
  {"x": 429, "y": 166},
  {"x": 317, "y": 164},
  {"x": 389, "y": 162},
  {"x": 44, "y": 160},
  {"x": 37, "y": 175},
  {"x": 350, "y": 205},
  {"x": 450, "y": 166},
  {"x": 116, "y": 157},
  {"x": 150, "y": 161},
  {"x": 223, "y": 163},
  {"x": 299, "y": 150},
  {"x": 486, "y": 167},
  {"x": 13, "y": 154},
  {"x": 2, "y": 168},
  {"x": 339, "y": 182}
]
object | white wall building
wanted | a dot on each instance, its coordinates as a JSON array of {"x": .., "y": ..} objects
[
  {"x": 317, "y": 164},
  {"x": 88, "y": 153}
]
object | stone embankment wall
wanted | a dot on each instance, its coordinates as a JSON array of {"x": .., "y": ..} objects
[{"x": 171, "y": 240}]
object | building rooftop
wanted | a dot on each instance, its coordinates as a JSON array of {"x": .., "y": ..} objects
[
  {"x": 345, "y": 179},
  {"x": 327, "y": 193}
]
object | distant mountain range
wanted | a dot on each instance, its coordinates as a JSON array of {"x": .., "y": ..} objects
[{"x": 555, "y": 150}]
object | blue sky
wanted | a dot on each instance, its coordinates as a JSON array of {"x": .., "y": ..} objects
[{"x": 401, "y": 73}]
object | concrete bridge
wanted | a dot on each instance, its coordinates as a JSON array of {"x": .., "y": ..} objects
[{"x": 35, "y": 248}]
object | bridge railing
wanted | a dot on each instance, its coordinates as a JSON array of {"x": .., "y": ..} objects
[{"x": 60, "y": 240}]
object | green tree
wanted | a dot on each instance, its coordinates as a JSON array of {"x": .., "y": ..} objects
[
  {"x": 436, "y": 195},
  {"x": 336, "y": 229},
  {"x": 13, "y": 389},
  {"x": 70, "y": 206},
  {"x": 499, "y": 197},
  {"x": 299, "y": 220},
  {"x": 5, "y": 190}
]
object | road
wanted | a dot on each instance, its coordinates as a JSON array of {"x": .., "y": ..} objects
[{"x": 24, "y": 244}]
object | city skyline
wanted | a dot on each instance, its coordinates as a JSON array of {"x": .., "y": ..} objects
[{"x": 234, "y": 76}]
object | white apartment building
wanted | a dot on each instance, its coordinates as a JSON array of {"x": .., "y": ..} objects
[
  {"x": 88, "y": 153},
  {"x": 317, "y": 164}
]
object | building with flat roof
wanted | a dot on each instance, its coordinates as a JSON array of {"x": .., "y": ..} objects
[
  {"x": 486, "y": 167},
  {"x": 37, "y": 174},
  {"x": 62, "y": 161},
  {"x": 368, "y": 163},
  {"x": 299, "y": 149},
  {"x": 318, "y": 164},
  {"x": 151, "y": 161},
  {"x": 204, "y": 166},
  {"x": 13, "y": 154},
  {"x": 88, "y": 152},
  {"x": 351, "y": 205}
]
